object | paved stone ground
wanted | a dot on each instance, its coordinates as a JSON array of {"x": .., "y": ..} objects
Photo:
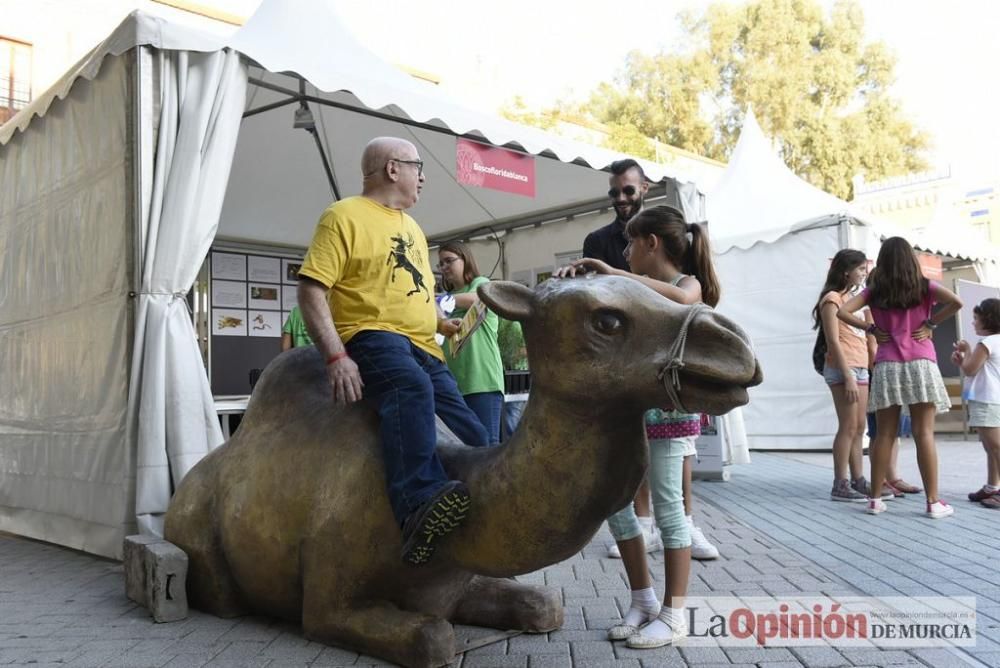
[{"x": 63, "y": 608}]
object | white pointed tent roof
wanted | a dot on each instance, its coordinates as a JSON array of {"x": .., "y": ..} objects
[{"x": 758, "y": 198}]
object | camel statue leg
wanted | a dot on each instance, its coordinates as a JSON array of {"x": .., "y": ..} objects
[
  {"x": 380, "y": 629},
  {"x": 506, "y": 604},
  {"x": 210, "y": 585},
  {"x": 191, "y": 526}
]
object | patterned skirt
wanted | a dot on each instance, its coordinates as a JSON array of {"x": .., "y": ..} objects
[{"x": 907, "y": 383}]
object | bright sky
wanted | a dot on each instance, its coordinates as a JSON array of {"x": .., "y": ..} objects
[{"x": 487, "y": 52}]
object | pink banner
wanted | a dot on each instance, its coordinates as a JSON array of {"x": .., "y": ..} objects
[{"x": 487, "y": 166}]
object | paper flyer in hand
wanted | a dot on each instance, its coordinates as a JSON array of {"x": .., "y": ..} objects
[{"x": 473, "y": 318}]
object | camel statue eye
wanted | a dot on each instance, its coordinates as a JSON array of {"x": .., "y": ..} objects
[{"x": 607, "y": 323}]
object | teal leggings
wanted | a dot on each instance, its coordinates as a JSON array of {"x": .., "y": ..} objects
[{"x": 666, "y": 483}]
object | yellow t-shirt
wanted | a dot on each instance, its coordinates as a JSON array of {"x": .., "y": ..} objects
[{"x": 375, "y": 261}]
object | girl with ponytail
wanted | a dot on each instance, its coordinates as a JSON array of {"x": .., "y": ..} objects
[{"x": 672, "y": 257}]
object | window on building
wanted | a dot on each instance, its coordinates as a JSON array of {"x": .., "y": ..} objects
[{"x": 15, "y": 77}]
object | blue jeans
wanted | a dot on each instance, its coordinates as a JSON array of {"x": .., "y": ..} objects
[
  {"x": 512, "y": 411},
  {"x": 487, "y": 407},
  {"x": 407, "y": 387}
]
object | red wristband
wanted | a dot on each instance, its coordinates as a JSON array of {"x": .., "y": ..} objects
[{"x": 336, "y": 356}]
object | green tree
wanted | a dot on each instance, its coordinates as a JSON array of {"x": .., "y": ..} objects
[{"x": 813, "y": 82}]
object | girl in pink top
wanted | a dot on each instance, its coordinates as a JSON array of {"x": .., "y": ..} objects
[{"x": 906, "y": 372}]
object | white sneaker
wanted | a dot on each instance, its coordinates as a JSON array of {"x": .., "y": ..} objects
[
  {"x": 652, "y": 539},
  {"x": 701, "y": 548},
  {"x": 875, "y": 506},
  {"x": 939, "y": 509},
  {"x": 677, "y": 634}
]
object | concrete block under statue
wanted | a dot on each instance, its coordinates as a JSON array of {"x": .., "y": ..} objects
[
  {"x": 156, "y": 577},
  {"x": 290, "y": 517}
]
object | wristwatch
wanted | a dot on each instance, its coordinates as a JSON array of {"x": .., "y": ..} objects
[{"x": 930, "y": 324}]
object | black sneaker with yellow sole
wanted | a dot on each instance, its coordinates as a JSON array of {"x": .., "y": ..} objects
[{"x": 436, "y": 518}]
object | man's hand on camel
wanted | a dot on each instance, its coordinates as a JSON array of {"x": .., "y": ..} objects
[{"x": 345, "y": 380}]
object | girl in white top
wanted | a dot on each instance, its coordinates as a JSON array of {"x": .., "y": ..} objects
[{"x": 982, "y": 392}]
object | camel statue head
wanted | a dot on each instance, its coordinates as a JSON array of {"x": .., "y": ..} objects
[{"x": 609, "y": 338}]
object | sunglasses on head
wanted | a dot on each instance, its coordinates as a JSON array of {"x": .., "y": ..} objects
[{"x": 628, "y": 191}]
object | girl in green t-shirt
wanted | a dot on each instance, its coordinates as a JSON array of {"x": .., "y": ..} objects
[{"x": 477, "y": 368}]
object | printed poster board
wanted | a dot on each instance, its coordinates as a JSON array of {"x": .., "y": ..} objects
[{"x": 249, "y": 298}]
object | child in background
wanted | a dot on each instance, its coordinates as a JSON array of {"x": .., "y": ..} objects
[
  {"x": 906, "y": 371},
  {"x": 845, "y": 372},
  {"x": 672, "y": 257},
  {"x": 294, "y": 333},
  {"x": 982, "y": 367}
]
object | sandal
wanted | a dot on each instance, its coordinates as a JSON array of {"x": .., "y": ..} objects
[
  {"x": 905, "y": 487},
  {"x": 623, "y": 631},
  {"x": 982, "y": 493},
  {"x": 896, "y": 492}
]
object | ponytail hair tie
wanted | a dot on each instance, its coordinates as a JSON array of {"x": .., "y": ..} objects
[{"x": 690, "y": 228}]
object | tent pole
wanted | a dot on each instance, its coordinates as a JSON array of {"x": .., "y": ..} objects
[
  {"x": 367, "y": 112},
  {"x": 269, "y": 107},
  {"x": 304, "y": 119},
  {"x": 326, "y": 164}
]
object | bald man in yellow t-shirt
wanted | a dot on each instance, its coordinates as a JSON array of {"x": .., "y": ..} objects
[{"x": 365, "y": 294}]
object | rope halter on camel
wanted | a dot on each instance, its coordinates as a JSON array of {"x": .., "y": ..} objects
[{"x": 676, "y": 359}]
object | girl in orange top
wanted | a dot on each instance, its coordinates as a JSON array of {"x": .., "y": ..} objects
[{"x": 845, "y": 372}]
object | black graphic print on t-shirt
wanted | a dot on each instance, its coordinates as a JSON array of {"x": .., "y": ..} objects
[{"x": 399, "y": 252}]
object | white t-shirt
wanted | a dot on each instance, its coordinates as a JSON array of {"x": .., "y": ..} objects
[{"x": 985, "y": 385}]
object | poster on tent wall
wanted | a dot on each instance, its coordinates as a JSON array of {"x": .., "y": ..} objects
[
  {"x": 495, "y": 168},
  {"x": 250, "y": 298}
]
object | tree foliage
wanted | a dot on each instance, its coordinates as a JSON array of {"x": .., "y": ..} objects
[{"x": 813, "y": 82}]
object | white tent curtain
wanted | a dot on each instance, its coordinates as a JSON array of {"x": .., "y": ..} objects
[
  {"x": 200, "y": 104},
  {"x": 770, "y": 290},
  {"x": 64, "y": 315}
]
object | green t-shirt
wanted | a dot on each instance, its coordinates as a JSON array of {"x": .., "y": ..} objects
[
  {"x": 296, "y": 326},
  {"x": 478, "y": 367},
  {"x": 511, "y": 340}
]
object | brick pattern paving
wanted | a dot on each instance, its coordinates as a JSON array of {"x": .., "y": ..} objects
[{"x": 63, "y": 608}]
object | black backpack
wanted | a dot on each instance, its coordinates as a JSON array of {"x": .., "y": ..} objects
[{"x": 819, "y": 352}]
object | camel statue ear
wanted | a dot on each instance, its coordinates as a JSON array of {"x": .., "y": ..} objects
[{"x": 510, "y": 300}]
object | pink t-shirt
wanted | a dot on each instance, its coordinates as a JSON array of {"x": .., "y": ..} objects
[{"x": 900, "y": 324}]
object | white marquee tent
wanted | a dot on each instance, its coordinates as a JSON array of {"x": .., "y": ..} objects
[
  {"x": 773, "y": 235},
  {"x": 113, "y": 186}
]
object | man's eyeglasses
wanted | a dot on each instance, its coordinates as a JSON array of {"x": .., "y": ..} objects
[
  {"x": 628, "y": 191},
  {"x": 447, "y": 262},
  {"x": 418, "y": 163}
]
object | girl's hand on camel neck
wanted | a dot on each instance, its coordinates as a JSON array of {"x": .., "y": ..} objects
[{"x": 587, "y": 264}]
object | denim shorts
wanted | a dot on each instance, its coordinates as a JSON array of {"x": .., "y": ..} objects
[{"x": 834, "y": 376}]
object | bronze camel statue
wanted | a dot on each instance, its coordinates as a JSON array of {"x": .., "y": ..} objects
[{"x": 290, "y": 517}]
